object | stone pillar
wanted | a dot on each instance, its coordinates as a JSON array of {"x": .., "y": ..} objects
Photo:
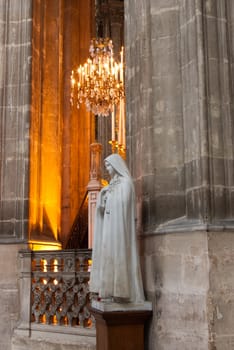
[
  {"x": 25, "y": 267},
  {"x": 180, "y": 150},
  {"x": 60, "y": 134},
  {"x": 218, "y": 35},
  {"x": 78, "y": 124},
  {"x": 15, "y": 95},
  {"x": 15, "y": 99},
  {"x": 46, "y": 122}
]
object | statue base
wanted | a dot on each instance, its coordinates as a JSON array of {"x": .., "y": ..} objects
[{"x": 120, "y": 326}]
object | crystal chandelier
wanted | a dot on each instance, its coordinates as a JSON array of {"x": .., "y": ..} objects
[{"x": 99, "y": 83}]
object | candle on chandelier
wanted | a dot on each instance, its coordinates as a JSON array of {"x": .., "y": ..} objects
[
  {"x": 116, "y": 71},
  {"x": 121, "y": 55},
  {"x": 100, "y": 77},
  {"x": 111, "y": 62},
  {"x": 120, "y": 124},
  {"x": 123, "y": 123},
  {"x": 113, "y": 126},
  {"x": 121, "y": 71}
]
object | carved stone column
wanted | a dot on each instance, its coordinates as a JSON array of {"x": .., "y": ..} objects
[{"x": 93, "y": 187}]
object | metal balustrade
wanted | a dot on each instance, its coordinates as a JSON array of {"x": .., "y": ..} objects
[
  {"x": 60, "y": 287},
  {"x": 54, "y": 289}
]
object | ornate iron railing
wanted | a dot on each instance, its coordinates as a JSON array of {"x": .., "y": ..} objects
[
  {"x": 54, "y": 289},
  {"x": 60, "y": 287}
]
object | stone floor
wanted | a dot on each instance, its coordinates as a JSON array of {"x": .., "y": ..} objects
[{"x": 56, "y": 339}]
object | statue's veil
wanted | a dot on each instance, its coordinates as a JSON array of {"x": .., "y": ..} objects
[{"x": 117, "y": 162}]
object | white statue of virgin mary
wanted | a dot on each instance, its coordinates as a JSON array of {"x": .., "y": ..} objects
[{"x": 115, "y": 272}]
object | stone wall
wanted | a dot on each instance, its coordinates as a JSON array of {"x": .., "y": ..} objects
[
  {"x": 176, "y": 279},
  {"x": 15, "y": 94},
  {"x": 179, "y": 79},
  {"x": 9, "y": 293},
  {"x": 221, "y": 296}
]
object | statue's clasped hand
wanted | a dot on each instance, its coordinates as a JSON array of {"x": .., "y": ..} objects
[{"x": 103, "y": 198}]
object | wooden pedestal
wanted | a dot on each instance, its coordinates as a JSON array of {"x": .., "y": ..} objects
[{"x": 120, "y": 330}]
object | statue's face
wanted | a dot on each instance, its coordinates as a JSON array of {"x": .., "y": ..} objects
[{"x": 109, "y": 168}]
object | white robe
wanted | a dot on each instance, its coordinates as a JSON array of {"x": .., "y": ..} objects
[{"x": 116, "y": 270}]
